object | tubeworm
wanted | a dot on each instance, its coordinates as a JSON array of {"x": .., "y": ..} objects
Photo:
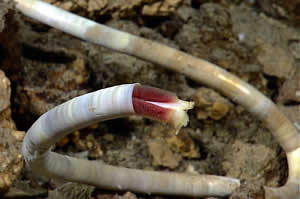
[
  {"x": 105, "y": 104},
  {"x": 197, "y": 69}
]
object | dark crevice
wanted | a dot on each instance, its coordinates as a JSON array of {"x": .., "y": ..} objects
[
  {"x": 272, "y": 85},
  {"x": 153, "y": 22},
  {"x": 102, "y": 19},
  {"x": 192, "y": 83},
  {"x": 292, "y": 103},
  {"x": 42, "y": 55},
  {"x": 3, "y": 54}
]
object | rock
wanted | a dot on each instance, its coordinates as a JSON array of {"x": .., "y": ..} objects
[
  {"x": 218, "y": 110},
  {"x": 97, "y": 5},
  {"x": 161, "y": 8},
  {"x": 11, "y": 161},
  {"x": 294, "y": 47},
  {"x": 185, "y": 13},
  {"x": 209, "y": 35},
  {"x": 275, "y": 61},
  {"x": 207, "y": 32},
  {"x": 90, "y": 144},
  {"x": 248, "y": 191},
  {"x": 171, "y": 27},
  {"x": 4, "y": 6},
  {"x": 210, "y": 104},
  {"x": 4, "y": 92},
  {"x": 289, "y": 92},
  {"x": 9, "y": 47},
  {"x": 54, "y": 81},
  {"x": 5, "y": 111},
  {"x": 253, "y": 162},
  {"x": 72, "y": 190},
  {"x": 168, "y": 149},
  {"x": 120, "y": 8},
  {"x": 5, "y": 119},
  {"x": 162, "y": 155},
  {"x": 23, "y": 189},
  {"x": 184, "y": 145},
  {"x": 282, "y": 9},
  {"x": 211, "y": 198},
  {"x": 127, "y": 195},
  {"x": 82, "y": 143}
]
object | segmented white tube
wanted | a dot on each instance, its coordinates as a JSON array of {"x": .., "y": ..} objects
[
  {"x": 195, "y": 68},
  {"x": 102, "y": 105},
  {"x": 77, "y": 113},
  {"x": 74, "y": 24}
]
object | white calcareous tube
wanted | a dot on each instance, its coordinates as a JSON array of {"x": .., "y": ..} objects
[
  {"x": 197, "y": 69},
  {"x": 77, "y": 113},
  {"x": 105, "y": 104}
]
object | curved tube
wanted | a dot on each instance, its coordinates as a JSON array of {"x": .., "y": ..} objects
[
  {"x": 197, "y": 69},
  {"x": 105, "y": 104}
]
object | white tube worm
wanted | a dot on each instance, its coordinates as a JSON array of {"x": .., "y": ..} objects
[
  {"x": 199, "y": 70},
  {"x": 105, "y": 104}
]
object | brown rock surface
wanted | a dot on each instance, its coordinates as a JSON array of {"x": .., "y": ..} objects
[
  {"x": 120, "y": 8},
  {"x": 281, "y": 8},
  {"x": 167, "y": 149},
  {"x": 162, "y": 154},
  {"x": 251, "y": 162},
  {"x": 11, "y": 161},
  {"x": 184, "y": 145},
  {"x": 289, "y": 92},
  {"x": 210, "y": 104},
  {"x": 72, "y": 190},
  {"x": 276, "y": 61},
  {"x": 4, "y": 92},
  {"x": 3, "y": 11}
]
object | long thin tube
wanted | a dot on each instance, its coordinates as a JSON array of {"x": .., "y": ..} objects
[
  {"x": 103, "y": 105},
  {"x": 202, "y": 71}
]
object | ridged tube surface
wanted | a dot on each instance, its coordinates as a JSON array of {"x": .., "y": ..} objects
[
  {"x": 195, "y": 68},
  {"x": 74, "y": 114},
  {"x": 98, "y": 106},
  {"x": 199, "y": 70}
]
